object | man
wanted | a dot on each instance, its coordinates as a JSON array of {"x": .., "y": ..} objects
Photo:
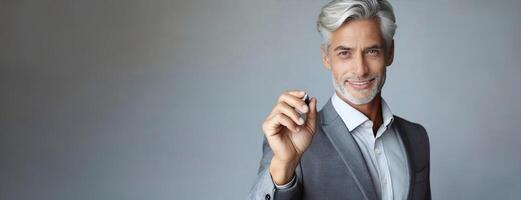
[{"x": 354, "y": 148}]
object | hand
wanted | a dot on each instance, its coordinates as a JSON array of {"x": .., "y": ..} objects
[{"x": 289, "y": 135}]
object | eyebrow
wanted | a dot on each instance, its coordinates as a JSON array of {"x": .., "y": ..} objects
[
  {"x": 340, "y": 47},
  {"x": 376, "y": 46}
]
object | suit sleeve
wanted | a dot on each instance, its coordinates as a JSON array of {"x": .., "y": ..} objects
[
  {"x": 428, "y": 150},
  {"x": 264, "y": 187}
]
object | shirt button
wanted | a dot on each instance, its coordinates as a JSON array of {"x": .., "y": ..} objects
[
  {"x": 378, "y": 152},
  {"x": 268, "y": 197}
]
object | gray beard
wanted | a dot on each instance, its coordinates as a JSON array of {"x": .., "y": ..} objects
[{"x": 376, "y": 88}]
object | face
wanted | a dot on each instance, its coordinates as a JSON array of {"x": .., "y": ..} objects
[{"x": 358, "y": 60}]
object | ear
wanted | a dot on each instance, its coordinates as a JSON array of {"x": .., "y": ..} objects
[
  {"x": 325, "y": 58},
  {"x": 390, "y": 54}
]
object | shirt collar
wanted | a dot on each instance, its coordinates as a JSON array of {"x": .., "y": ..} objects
[{"x": 353, "y": 118}]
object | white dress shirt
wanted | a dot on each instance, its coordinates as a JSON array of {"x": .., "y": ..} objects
[{"x": 384, "y": 153}]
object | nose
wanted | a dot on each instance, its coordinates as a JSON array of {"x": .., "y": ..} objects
[{"x": 360, "y": 69}]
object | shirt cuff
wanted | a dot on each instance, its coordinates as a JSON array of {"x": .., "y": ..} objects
[{"x": 287, "y": 185}]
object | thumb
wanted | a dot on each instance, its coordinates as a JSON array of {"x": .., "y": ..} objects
[{"x": 312, "y": 116}]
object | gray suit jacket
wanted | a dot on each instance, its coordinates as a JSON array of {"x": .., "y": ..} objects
[{"x": 333, "y": 166}]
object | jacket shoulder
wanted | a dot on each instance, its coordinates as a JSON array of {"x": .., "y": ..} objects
[{"x": 418, "y": 128}]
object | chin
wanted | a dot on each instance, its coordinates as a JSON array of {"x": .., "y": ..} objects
[{"x": 358, "y": 99}]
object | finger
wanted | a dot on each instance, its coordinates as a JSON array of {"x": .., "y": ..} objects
[
  {"x": 294, "y": 101},
  {"x": 278, "y": 121},
  {"x": 287, "y": 110},
  {"x": 271, "y": 126},
  {"x": 312, "y": 115},
  {"x": 296, "y": 93},
  {"x": 287, "y": 122}
]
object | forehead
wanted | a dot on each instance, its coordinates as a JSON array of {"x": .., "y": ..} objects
[{"x": 358, "y": 32}]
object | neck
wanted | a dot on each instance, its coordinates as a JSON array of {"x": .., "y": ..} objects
[{"x": 372, "y": 110}]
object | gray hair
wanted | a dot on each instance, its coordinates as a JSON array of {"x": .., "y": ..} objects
[{"x": 338, "y": 12}]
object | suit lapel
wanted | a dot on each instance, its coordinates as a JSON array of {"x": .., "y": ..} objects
[{"x": 348, "y": 149}]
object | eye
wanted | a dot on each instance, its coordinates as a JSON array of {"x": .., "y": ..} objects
[
  {"x": 343, "y": 53},
  {"x": 373, "y": 52}
]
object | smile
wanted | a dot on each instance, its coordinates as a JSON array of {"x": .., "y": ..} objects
[{"x": 360, "y": 85}]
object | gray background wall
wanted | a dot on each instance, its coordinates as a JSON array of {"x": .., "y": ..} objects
[{"x": 164, "y": 99}]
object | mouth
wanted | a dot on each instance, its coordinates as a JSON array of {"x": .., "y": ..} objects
[{"x": 360, "y": 84}]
